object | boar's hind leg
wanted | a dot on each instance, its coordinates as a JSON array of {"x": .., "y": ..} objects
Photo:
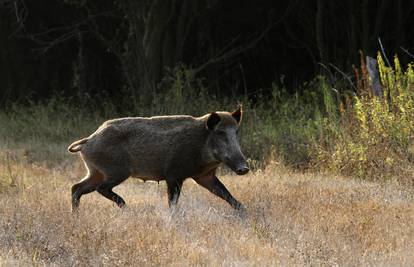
[
  {"x": 213, "y": 184},
  {"x": 105, "y": 190},
  {"x": 87, "y": 185},
  {"x": 174, "y": 189}
]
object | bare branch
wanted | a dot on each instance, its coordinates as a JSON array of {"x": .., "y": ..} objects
[
  {"x": 383, "y": 52},
  {"x": 65, "y": 33},
  {"x": 61, "y": 39},
  {"x": 225, "y": 54},
  {"x": 347, "y": 77},
  {"x": 18, "y": 7},
  {"x": 406, "y": 51}
]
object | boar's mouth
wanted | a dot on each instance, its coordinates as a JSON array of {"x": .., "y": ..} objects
[{"x": 239, "y": 169}]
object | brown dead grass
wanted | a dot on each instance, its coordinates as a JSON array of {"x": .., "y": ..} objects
[{"x": 293, "y": 219}]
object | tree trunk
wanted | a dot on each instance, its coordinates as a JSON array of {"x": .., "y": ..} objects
[
  {"x": 156, "y": 24},
  {"x": 320, "y": 32},
  {"x": 365, "y": 25},
  {"x": 400, "y": 31},
  {"x": 353, "y": 36},
  {"x": 158, "y": 33},
  {"x": 380, "y": 16},
  {"x": 5, "y": 73},
  {"x": 80, "y": 79}
]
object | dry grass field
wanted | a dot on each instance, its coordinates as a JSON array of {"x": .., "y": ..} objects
[{"x": 292, "y": 219}]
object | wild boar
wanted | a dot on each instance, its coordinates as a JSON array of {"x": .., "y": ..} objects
[{"x": 170, "y": 148}]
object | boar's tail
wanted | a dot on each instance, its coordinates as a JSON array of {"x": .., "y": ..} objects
[{"x": 77, "y": 145}]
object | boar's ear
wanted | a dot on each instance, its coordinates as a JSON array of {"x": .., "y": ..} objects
[
  {"x": 212, "y": 121},
  {"x": 238, "y": 114}
]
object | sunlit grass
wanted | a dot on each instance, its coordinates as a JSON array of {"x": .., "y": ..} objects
[{"x": 292, "y": 218}]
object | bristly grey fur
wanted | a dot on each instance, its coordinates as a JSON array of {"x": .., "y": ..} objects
[{"x": 170, "y": 148}]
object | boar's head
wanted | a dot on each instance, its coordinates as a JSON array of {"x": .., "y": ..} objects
[{"x": 223, "y": 143}]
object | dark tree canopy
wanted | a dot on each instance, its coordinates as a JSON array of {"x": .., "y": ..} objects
[{"x": 126, "y": 47}]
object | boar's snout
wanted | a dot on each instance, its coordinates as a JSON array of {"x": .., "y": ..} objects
[
  {"x": 239, "y": 168},
  {"x": 242, "y": 171}
]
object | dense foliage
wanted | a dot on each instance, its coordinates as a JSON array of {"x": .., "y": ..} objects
[
  {"x": 356, "y": 134},
  {"x": 124, "y": 49}
]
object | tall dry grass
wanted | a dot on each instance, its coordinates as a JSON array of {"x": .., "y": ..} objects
[{"x": 292, "y": 219}]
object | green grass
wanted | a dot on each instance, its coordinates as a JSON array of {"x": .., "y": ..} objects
[{"x": 354, "y": 134}]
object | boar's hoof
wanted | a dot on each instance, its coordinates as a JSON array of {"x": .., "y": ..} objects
[{"x": 242, "y": 211}]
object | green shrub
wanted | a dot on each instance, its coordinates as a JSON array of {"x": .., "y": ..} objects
[
  {"x": 356, "y": 134},
  {"x": 373, "y": 133}
]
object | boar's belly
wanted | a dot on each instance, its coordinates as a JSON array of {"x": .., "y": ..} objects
[{"x": 155, "y": 179}]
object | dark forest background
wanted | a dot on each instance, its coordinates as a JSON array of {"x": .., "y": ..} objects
[{"x": 125, "y": 48}]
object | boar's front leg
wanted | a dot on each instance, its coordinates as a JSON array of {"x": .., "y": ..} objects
[
  {"x": 174, "y": 190},
  {"x": 213, "y": 184}
]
